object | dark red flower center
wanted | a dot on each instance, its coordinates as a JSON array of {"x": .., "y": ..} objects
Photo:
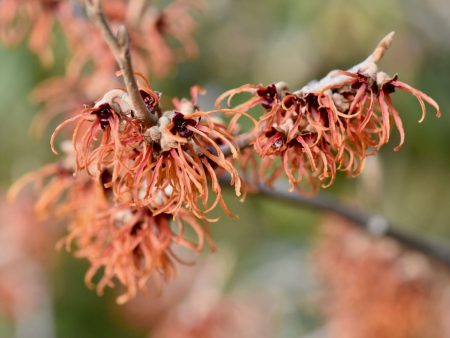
[
  {"x": 161, "y": 23},
  {"x": 268, "y": 94},
  {"x": 276, "y": 138},
  {"x": 104, "y": 113},
  {"x": 312, "y": 102},
  {"x": 63, "y": 171},
  {"x": 150, "y": 102},
  {"x": 388, "y": 88},
  {"x": 105, "y": 178},
  {"x": 51, "y": 4},
  {"x": 180, "y": 125}
]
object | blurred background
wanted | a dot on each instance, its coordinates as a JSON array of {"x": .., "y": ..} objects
[{"x": 270, "y": 276}]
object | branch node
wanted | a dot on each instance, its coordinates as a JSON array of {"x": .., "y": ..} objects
[
  {"x": 120, "y": 47},
  {"x": 377, "y": 225},
  {"x": 123, "y": 38}
]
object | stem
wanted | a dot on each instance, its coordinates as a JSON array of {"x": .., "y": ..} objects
[
  {"x": 120, "y": 47},
  {"x": 243, "y": 141}
]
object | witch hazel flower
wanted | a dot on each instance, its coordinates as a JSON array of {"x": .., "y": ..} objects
[
  {"x": 51, "y": 183},
  {"x": 137, "y": 174},
  {"x": 164, "y": 167},
  {"x": 328, "y": 125},
  {"x": 34, "y": 18},
  {"x": 129, "y": 244},
  {"x": 186, "y": 149},
  {"x": 174, "y": 22},
  {"x": 283, "y": 149}
]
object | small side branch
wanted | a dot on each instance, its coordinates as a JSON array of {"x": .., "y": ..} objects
[
  {"x": 382, "y": 47},
  {"x": 120, "y": 47}
]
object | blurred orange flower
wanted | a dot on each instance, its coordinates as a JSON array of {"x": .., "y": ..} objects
[{"x": 374, "y": 288}]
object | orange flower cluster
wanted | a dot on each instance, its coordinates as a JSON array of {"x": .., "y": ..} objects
[
  {"x": 129, "y": 186},
  {"x": 164, "y": 167},
  {"x": 34, "y": 18},
  {"x": 122, "y": 184},
  {"x": 407, "y": 300},
  {"x": 160, "y": 38},
  {"x": 150, "y": 28},
  {"x": 129, "y": 243},
  {"x": 327, "y": 126}
]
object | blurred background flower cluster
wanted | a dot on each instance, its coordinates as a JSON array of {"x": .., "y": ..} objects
[{"x": 279, "y": 271}]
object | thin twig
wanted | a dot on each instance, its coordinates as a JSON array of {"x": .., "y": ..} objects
[{"x": 120, "y": 47}]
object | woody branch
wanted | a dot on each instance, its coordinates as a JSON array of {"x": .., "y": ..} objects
[
  {"x": 120, "y": 47},
  {"x": 375, "y": 225}
]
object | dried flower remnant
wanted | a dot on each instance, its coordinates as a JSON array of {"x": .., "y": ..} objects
[{"x": 327, "y": 126}]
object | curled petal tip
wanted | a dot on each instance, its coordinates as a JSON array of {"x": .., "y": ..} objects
[{"x": 52, "y": 146}]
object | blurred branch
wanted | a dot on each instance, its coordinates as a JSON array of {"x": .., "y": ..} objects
[
  {"x": 376, "y": 225},
  {"x": 120, "y": 47},
  {"x": 319, "y": 333}
]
